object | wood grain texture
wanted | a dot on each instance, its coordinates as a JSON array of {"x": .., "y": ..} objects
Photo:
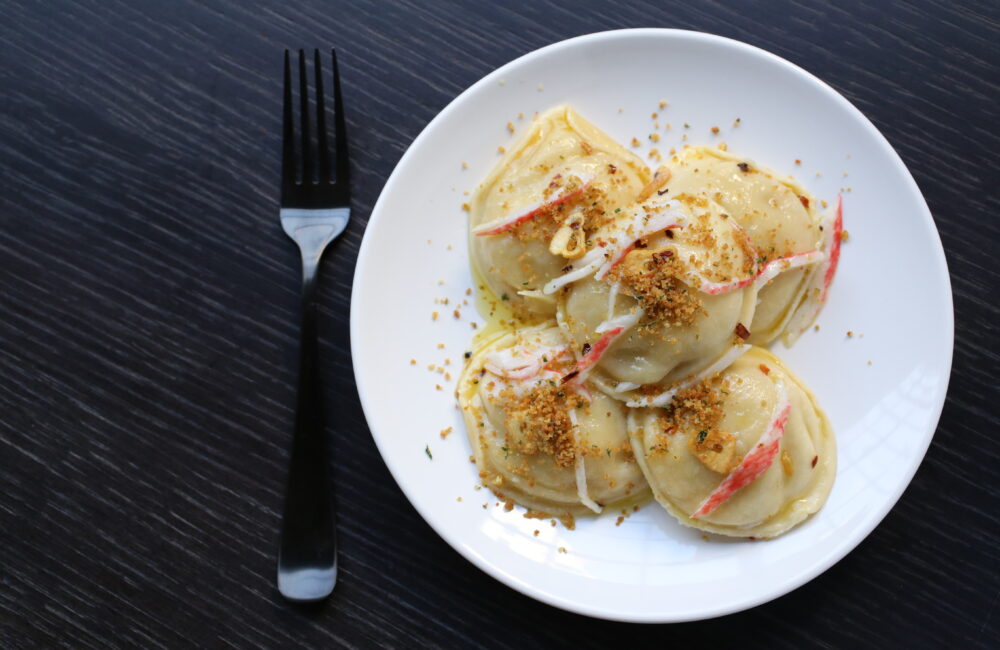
[{"x": 149, "y": 303}]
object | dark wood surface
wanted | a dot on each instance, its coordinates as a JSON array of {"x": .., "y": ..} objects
[{"x": 148, "y": 306}]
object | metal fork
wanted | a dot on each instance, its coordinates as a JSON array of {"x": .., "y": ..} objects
[{"x": 314, "y": 210}]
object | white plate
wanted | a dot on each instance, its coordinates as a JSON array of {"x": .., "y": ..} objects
[{"x": 892, "y": 291}]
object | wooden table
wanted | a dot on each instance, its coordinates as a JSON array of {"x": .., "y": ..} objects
[{"x": 148, "y": 322}]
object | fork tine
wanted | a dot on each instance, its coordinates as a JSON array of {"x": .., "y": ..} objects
[
  {"x": 307, "y": 175},
  {"x": 343, "y": 168},
  {"x": 324, "y": 152},
  {"x": 288, "y": 141}
]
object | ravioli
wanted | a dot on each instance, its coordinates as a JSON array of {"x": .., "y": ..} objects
[
  {"x": 745, "y": 453},
  {"x": 779, "y": 216},
  {"x": 553, "y": 446},
  {"x": 632, "y": 308},
  {"x": 680, "y": 296},
  {"x": 534, "y": 212}
]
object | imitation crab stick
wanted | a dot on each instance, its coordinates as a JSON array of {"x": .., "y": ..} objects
[
  {"x": 600, "y": 260},
  {"x": 500, "y": 226},
  {"x": 597, "y": 350},
  {"x": 764, "y": 275},
  {"x": 593, "y": 355},
  {"x": 523, "y": 362},
  {"x": 774, "y": 268},
  {"x": 833, "y": 240},
  {"x": 665, "y": 217},
  {"x": 581, "y": 484},
  {"x": 754, "y": 463},
  {"x": 819, "y": 285}
]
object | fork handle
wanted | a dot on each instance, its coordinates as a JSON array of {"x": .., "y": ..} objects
[{"x": 307, "y": 560}]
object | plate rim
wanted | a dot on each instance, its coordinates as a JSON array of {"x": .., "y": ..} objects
[{"x": 793, "y": 582}]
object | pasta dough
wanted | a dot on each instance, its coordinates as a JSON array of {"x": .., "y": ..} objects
[
  {"x": 721, "y": 429},
  {"x": 778, "y": 214},
  {"x": 570, "y": 176},
  {"x": 551, "y": 446}
]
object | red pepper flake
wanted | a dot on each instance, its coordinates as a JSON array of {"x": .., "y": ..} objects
[
  {"x": 569, "y": 376},
  {"x": 805, "y": 201},
  {"x": 669, "y": 234},
  {"x": 586, "y": 349},
  {"x": 764, "y": 369},
  {"x": 715, "y": 130},
  {"x": 612, "y": 169},
  {"x": 814, "y": 460},
  {"x": 742, "y": 331},
  {"x": 743, "y": 167}
]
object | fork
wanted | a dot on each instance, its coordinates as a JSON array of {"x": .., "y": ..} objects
[{"x": 315, "y": 209}]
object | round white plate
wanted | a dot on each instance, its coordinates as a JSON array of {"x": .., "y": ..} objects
[{"x": 892, "y": 292}]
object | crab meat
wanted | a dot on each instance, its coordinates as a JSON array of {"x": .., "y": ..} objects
[
  {"x": 776, "y": 267},
  {"x": 832, "y": 244},
  {"x": 603, "y": 259},
  {"x": 502, "y": 225},
  {"x": 591, "y": 261},
  {"x": 593, "y": 355},
  {"x": 616, "y": 288},
  {"x": 581, "y": 484},
  {"x": 822, "y": 278},
  {"x": 642, "y": 225},
  {"x": 523, "y": 361},
  {"x": 754, "y": 463},
  {"x": 624, "y": 321}
]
